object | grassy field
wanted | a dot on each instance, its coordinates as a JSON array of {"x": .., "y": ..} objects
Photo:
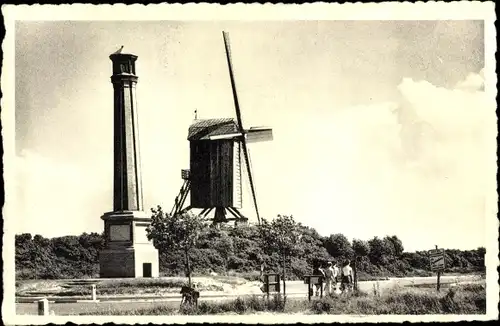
[
  {"x": 461, "y": 299},
  {"x": 110, "y": 287}
]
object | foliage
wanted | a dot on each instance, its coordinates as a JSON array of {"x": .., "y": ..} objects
[
  {"x": 361, "y": 248},
  {"x": 339, "y": 247},
  {"x": 238, "y": 251},
  {"x": 282, "y": 236},
  {"x": 175, "y": 232}
]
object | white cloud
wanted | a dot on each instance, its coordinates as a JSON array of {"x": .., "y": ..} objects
[{"x": 473, "y": 82}]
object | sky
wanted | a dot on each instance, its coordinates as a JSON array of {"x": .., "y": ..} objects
[{"x": 380, "y": 127}]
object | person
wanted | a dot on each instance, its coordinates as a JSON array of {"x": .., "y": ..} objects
[
  {"x": 262, "y": 278},
  {"x": 336, "y": 273},
  {"x": 347, "y": 277},
  {"x": 318, "y": 272},
  {"x": 329, "y": 278}
]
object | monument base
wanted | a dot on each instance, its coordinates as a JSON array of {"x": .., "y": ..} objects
[{"x": 128, "y": 252}]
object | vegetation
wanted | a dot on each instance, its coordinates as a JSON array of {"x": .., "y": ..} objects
[
  {"x": 238, "y": 251},
  {"x": 175, "y": 232},
  {"x": 281, "y": 236},
  {"x": 462, "y": 299}
]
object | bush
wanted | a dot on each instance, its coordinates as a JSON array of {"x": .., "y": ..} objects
[{"x": 77, "y": 256}]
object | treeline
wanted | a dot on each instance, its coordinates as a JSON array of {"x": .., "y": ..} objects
[{"x": 239, "y": 249}]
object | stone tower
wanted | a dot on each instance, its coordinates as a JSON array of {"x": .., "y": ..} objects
[{"x": 127, "y": 253}]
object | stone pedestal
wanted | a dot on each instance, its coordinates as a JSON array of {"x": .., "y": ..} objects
[{"x": 127, "y": 253}]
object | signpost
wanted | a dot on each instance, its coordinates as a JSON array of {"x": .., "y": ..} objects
[
  {"x": 271, "y": 283},
  {"x": 355, "y": 272},
  {"x": 437, "y": 262},
  {"x": 311, "y": 280}
]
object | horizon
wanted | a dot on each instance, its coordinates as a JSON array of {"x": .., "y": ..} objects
[
  {"x": 252, "y": 224},
  {"x": 382, "y": 103}
]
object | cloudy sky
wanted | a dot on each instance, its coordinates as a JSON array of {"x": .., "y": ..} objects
[{"x": 380, "y": 127}]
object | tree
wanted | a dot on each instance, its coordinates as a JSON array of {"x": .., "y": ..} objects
[
  {"x": 376, "y": 251},
  {"x": 481, "y": 252},
  {"x": 338, "y": 246},
  {"x": 283, "y": 237},
  {"x": 175, "y": 232},
  {"x": 397, "y": 245},
  {"x": 361, "y": 248}
]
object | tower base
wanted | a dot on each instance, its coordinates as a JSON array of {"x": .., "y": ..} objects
[{"x": 127, "y": 253}]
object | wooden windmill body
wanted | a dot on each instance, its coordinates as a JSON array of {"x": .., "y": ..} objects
[{"x": 217, "y": 148}]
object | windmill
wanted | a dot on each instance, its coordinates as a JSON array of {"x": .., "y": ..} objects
[{"x": 215, "y": 175}]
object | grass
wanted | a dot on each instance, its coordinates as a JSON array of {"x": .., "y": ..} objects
[
  {"x": 120, "y": 287},
  {"x": 462, "y": 299}
]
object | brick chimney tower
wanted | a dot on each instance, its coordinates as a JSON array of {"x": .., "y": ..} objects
[{"x": 127, "y": 252}]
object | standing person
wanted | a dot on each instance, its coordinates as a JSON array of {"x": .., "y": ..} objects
[
  {"x": 329, "y": 278},
  {"x": 318, "y": 272},
  {"x": 347, "y": 277},
  {"x": 336, "y": 274}
]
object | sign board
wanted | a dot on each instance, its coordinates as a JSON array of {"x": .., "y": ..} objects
[
  {"x": 314, "y": 279},
  {"x": 272, "y": 288},
  {"x": 437, "y": 261},
  {"x": 271, "y": 283}
]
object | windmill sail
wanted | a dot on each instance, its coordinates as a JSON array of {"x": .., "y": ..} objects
[
  {"x": 259, "y": 134},
  {"x": 240, "y": 123}
]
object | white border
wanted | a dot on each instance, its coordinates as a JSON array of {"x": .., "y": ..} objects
[{"x": 255, "y": 12}]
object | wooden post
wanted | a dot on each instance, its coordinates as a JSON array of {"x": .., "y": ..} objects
[
  {"x": 267, "y": 286},
  {"x": 309, "y": 288},
  {"x": 355, "y": 278},
  {"x": 284, "y": 277},
  {"x": 321, "y": 286},
  {"x": 43, "y": 307},
  {"x": 94, "y": 292},
  {"x": 438, "y": 285}
]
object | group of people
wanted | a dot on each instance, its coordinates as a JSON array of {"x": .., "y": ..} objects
[{"x": 331, "y": 275}]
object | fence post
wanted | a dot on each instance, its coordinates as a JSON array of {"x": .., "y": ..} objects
[
  {"x": 43, "y": 307},
  {"x": 94, "y": 292}
]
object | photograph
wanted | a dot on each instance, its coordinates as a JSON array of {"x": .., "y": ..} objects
[{"x": 250, "y": 163}]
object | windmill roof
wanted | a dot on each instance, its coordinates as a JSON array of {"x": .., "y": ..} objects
[{"x": 203, "y": 129}]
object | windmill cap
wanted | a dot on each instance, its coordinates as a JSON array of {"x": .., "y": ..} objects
[{"x": 203, "y": 129}]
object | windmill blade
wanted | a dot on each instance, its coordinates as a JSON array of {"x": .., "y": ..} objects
[
  {"x": 259, "y": 134},
  {"x": 227, "y": 136},
  {"x": 225, "y": 35}
]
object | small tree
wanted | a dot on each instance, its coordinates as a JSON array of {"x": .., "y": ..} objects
[
  {"x": 175, "y": 232},
  {"x": 283, "y": 237}
]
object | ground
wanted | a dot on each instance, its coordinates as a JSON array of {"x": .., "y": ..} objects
[{"x": 119, "y": 295}]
